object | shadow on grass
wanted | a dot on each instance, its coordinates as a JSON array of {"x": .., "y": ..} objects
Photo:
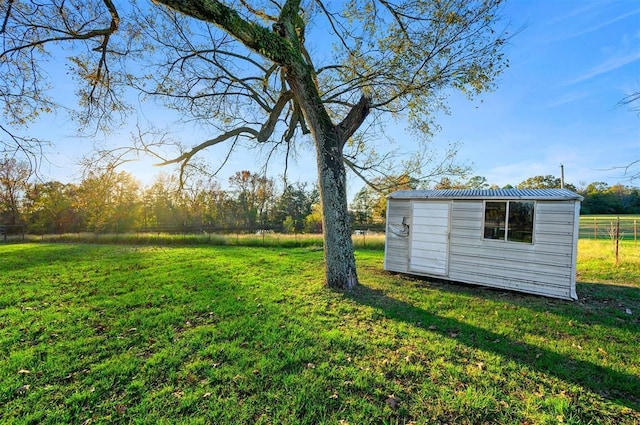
[
  {"x": 55, "y": 259},
  {"x": 598, "y": 303},
  {"x": 28, "y": 255},
  {"x": 620, "y": 387}
]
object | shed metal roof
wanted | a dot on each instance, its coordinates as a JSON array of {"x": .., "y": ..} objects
[{"x": 529, "y": 194}]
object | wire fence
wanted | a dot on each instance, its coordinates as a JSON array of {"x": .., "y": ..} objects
[
  {"x": 607, "y": 227},
  {"x": 591, "y": 227}
]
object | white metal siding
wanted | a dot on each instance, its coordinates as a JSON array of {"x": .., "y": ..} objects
[
  {"x": 430, "y": 237},
  {"x": 544, "y": 267},
  {"x": 396, "y": 256}
]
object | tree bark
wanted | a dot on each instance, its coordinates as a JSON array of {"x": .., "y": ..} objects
[
  {"x": 340, "y": 266},
  {"x": 329, "y": 139}
]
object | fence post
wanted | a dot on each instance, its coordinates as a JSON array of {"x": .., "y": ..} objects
[
  {"x": 595, "y": 228},
  {"x": 617, "y": 238},
  {"x": 635, "y": 232}
]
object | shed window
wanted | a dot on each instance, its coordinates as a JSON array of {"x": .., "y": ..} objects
[{"x": 509, "y": 220}]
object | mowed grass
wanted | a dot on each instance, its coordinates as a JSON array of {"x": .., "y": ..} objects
[
  {"x": 240, "y": 335},
  {"x": 597, "y": 262}
]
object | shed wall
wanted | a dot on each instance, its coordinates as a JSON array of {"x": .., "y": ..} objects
[
  {"x": 544, "y": 267},
  {"x": 397, "y": 255}
]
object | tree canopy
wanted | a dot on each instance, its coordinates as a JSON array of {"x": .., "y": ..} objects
[
  {"x": 262, "y": 72},
  {"x": 227, "y": 64}
]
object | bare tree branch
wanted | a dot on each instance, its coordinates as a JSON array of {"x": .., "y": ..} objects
[{"x": 185, "y": 157}]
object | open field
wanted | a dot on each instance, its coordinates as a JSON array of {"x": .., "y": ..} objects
[
  {"x": 596, "y": 262},
  {"x": 367, "y": 241},
  {"x": 591, "y": 227},
  {"x": 233, "y": 335}
]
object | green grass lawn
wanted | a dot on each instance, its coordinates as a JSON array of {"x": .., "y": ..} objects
[{"x": 240, "y": 335}]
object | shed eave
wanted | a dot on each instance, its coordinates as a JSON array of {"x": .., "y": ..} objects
[{"x": 497, "y": 194}]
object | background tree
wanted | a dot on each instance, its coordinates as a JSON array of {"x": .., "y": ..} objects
[
  {"x": 245, "y": 68},
  {"x": 294, "y": 205},
  {"x": 477, "y": 182},
  {"x": 14, "y": 176},
  {"x": 108, "y": 201},
  {"x": 162, "y": 201},
  {"x": 254, "y": 194},
  {"x": 447, "y": 183},
  {"x": 203, "y": 201},
  {"x": 49, "y": 208},
  {"x": 371, "y": 200},
  {"x": 544, "y": 182},
  {"x": 313, "y": 222},
  {"x": 362, "y": 205},
  {"x": 600, "y": 198}
]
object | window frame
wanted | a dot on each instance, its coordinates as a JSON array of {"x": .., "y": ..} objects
[{"x": 504, "y": 237}]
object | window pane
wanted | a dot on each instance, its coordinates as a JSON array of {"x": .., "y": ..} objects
[
  {"x": 520, "y": 222},
  {"x": 495, "y": 214}
]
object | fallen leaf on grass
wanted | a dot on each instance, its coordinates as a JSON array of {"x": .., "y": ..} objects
[
  {"x": 24, "y": 372},
  {"x": 392, "y": 402},
  {"x": 23, "y": 389}
]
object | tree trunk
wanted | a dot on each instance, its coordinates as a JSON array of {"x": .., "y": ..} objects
[{"x": 340, "y": 265}]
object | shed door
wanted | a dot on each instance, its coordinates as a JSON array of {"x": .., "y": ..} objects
[{"x": 429, "y": 250}]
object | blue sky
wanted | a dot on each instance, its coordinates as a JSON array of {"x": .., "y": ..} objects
[{"x": 557, "y": 103}]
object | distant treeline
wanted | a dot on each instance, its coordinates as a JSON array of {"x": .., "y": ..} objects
[
  {"x": 115, "y": 202},
  {"x": 111, "y": 201},
  {"x": 618, "y": 199}
]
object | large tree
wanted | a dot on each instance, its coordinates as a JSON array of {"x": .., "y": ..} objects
[{"x": 277, "y": 73}]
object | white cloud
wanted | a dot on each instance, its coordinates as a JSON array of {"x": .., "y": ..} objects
[
  {"x": 598, "y": 25},
  {"x": 609, "y": 65},
  {"x": 567, "y": 98}
]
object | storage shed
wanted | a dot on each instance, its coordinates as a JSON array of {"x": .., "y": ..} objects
[{"x": 518, "y": 239}]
